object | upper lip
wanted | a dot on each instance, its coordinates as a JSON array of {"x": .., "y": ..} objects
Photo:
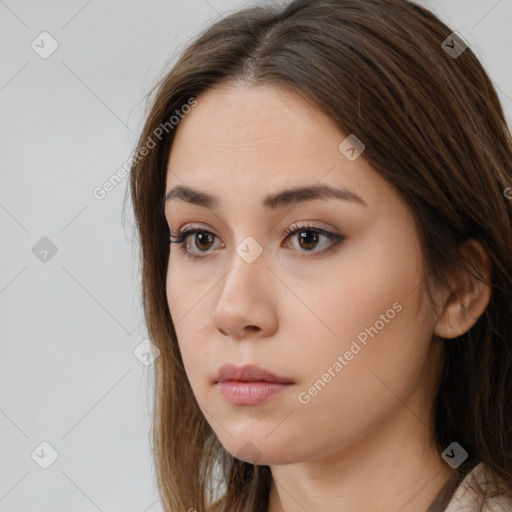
[{"x": 248, "y": 373}]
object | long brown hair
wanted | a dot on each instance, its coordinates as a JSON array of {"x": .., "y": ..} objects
[{"x": 432, "y": 126}]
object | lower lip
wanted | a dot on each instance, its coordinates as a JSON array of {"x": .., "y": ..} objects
[{"x": 249, "y": 393}]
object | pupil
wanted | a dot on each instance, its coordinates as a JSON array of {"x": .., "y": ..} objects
[
  {"x": 308, "y": 239},
  {"x": 200, "y": 235}
]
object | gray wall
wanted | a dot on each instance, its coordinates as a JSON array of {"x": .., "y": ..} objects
[{"x": 71, "y": 320}]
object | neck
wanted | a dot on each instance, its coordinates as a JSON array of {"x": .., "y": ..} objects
[{"x": 405, "y": 473}]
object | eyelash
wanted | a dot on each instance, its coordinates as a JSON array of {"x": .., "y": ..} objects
[{"x": 182, "y": 236}]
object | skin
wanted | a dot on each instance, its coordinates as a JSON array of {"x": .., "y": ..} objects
[{"x": 362, "y": 443}]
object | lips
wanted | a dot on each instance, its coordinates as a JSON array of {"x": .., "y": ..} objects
[{"x": 248, "y": 373}]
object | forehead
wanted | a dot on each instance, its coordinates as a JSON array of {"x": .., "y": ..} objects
[
  {"x": 240, "y": 118},
  {"x": 255, "y": 140}
]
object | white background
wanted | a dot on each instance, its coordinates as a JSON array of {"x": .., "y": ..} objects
[{"x": 69, "y": 326}]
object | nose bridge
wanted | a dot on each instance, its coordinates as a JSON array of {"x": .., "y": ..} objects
[
  {"x": 246, "y": 301},
  {"x": 246, "y": 284},
  {"x": 241, "y": 310},
  {"x": 248, "y": 265}
]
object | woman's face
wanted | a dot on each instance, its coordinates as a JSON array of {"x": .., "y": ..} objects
[{"x": 344, "y": 319}]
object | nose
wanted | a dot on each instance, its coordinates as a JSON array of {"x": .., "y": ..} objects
[{"x": 246, "y": 305}]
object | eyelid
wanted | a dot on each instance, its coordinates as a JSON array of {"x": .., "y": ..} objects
[
  {"x": 300, "y": 224},
  {"x": 189, "y": 228}
]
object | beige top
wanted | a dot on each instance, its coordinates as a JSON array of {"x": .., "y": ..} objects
[{"x": 466, "y": 499}]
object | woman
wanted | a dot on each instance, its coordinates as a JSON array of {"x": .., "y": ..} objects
[{"x": 322, "y": 196}]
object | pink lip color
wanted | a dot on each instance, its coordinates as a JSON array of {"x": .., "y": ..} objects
[{"x": 239, "y": 392}]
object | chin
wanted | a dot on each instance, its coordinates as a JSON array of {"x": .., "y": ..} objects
[{"x": 261, "y": 452}]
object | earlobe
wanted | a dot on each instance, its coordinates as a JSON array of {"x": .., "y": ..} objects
[{"x": 470, "y": 296}]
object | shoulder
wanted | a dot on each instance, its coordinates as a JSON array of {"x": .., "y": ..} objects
[{"x": 467, "y": 499}]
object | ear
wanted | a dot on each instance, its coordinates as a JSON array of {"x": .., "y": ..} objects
[{"x": 469, "y": 298}]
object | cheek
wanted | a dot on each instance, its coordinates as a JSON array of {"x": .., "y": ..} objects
[
  {"x": 348, "y": 387},
  {"x": 175, "y": 297},
  {"x": 183, "y": 292},
  {"x": 365, "y": 286},
  {"x": 189, "y": 318},
  {"x": 371, "y": 309}
]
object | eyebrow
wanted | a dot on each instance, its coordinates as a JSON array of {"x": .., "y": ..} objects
[{"x": 275, "y": 201}]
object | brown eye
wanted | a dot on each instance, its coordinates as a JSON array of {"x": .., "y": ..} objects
[
  {"x": 203, "y": 241},
  {"x": 308, "y": 239},
  {"x": 203, "y": 238}
]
